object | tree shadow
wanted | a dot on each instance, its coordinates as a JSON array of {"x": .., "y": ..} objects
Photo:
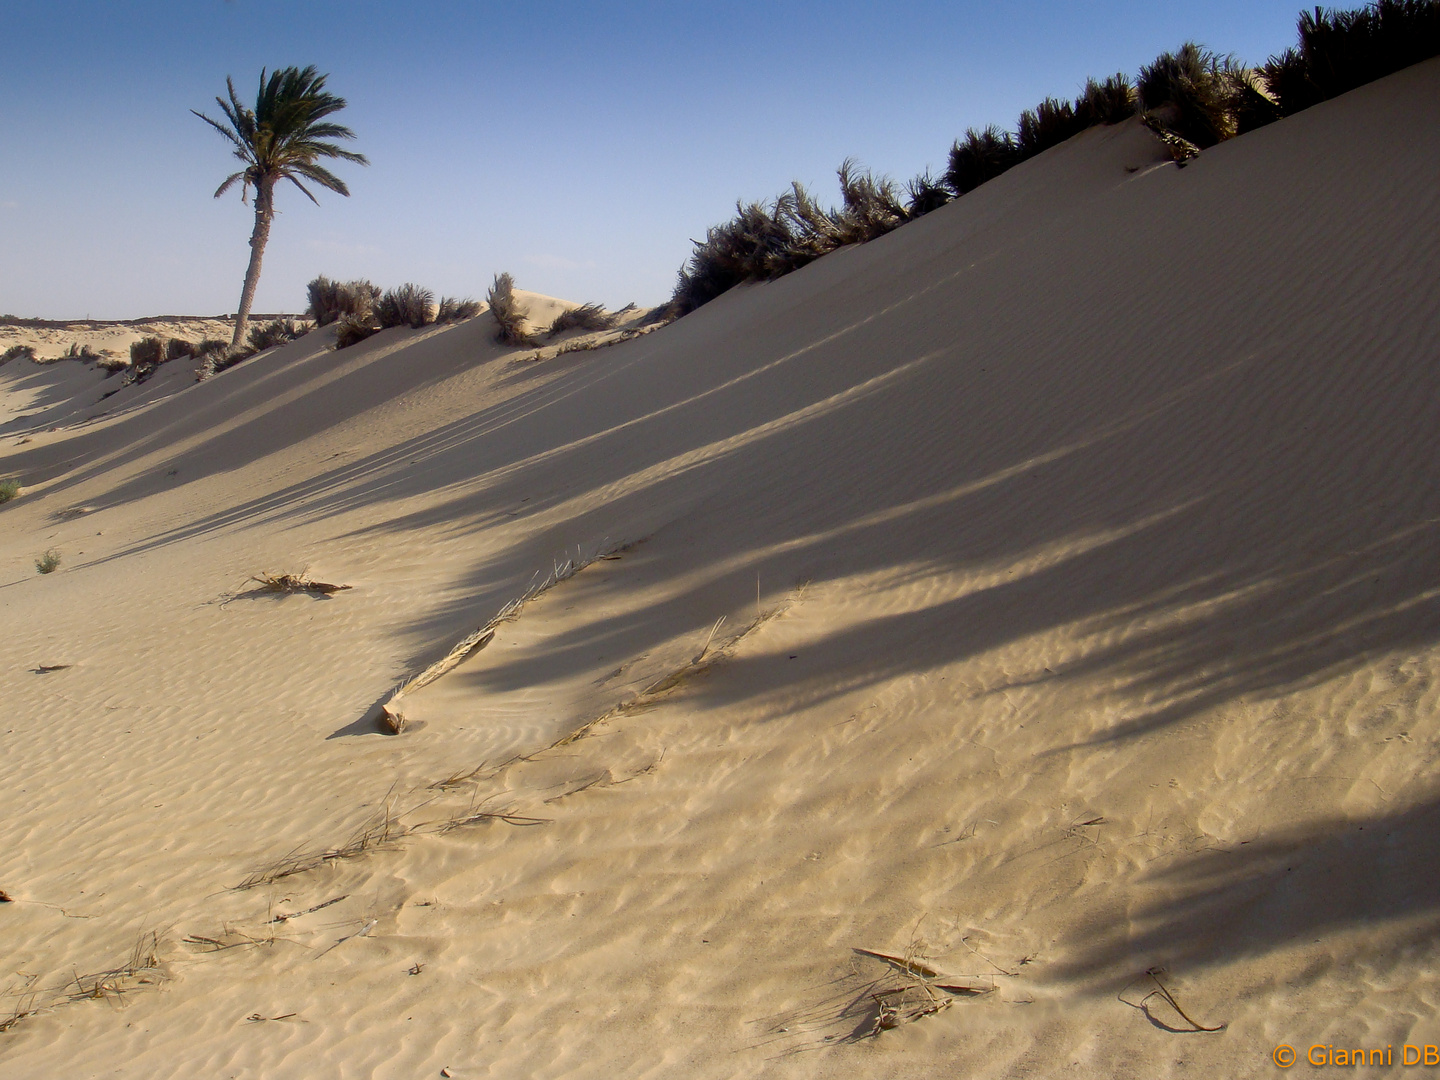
[{"x": 1379, "y": 872}]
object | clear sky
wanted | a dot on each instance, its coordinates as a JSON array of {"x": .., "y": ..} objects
[{"x": 578, "y": 146}]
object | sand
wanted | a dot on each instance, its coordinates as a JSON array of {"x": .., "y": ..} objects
[{"x": 1075, "y": 547}]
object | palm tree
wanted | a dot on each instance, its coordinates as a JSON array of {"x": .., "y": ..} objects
[{"x": 282, "y": 138}]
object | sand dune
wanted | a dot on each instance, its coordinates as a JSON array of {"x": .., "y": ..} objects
[{"x": 1075, "y": 550}]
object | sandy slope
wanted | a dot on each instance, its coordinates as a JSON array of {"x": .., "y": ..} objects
[{"x": 1093, "y": 518}]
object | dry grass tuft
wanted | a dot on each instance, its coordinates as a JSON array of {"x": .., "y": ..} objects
[
  {"x": 383, "y": 828},
  {"x": 584, "y": 317},
  {"x": 17, "y": 352},
  {"x": 143, "y": 966}
]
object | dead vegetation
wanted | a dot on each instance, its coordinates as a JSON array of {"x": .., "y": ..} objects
[
  {"x": 477, "y": 639},
  {"x": 586, "y": 344},
  {"x": 141, "y": 967},
  {"x": 381, "y": 829},
  {"x": 1161, "y": 991},
  {"x": 511, "y": 320},
  {"x": 294, "y": 583}
]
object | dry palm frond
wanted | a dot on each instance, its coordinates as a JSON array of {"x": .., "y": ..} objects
[
  {"x": 295, "y": 583},
  {"x": 477, "y": 639}
]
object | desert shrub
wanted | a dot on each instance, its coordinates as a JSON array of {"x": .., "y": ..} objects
[
  {"x": 353, "y": 329},
  {"x": 925, "y": 194},
  {"x": 274, "y": 333},
  {"x": 747, "y": 246},
  {"x": 1340, "y": 50},
  {"x": 978, "y": 157},
  {"x": 409, "y": 305},
  {"x": 871, "y": 205},
  {"x": 1193, "y": 93},
  {"x": 175, "y": 348},
  {"x": 584, "y": 317},
  {"x": 508, "y": 314},
  {"x": 146, "y": 355},
  {"x": 18, "y": 352},
  {"x": 453, "y": 310},
  {"x": 9, "y": 489},
  {"x": 47, "y": 563},
  {"x": 331, "y": 299},
  {"x": 1107, "y": 102},
  {"x": 1050, "y": 123},
  {"x": 83, "y": 352}
]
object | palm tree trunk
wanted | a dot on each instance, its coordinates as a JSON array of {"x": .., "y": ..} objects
[{"x": 264, "y": 214}]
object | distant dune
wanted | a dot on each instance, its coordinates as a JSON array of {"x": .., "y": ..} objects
[{"x": 1042, "y": 595}]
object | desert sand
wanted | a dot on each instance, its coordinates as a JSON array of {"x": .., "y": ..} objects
[{"x": 1075, "y": 547}]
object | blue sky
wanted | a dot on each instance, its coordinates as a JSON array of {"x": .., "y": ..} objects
[{"x": 578, "y": 146}]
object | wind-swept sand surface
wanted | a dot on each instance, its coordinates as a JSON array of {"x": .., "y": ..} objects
[{"x": 1076, "y": 550}]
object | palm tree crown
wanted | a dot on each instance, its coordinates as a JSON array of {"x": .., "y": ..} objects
[{"x": 284, "y": 137}]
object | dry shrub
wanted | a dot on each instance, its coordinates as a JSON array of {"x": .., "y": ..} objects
[
  {"x": 1341, "y": 50},
  {"x": 409, "y": 305},
  {"x": 454, "y": 310},
  {"x": 329, "y": 300},
  {"x": 18, "y": 352},
  {"x": 353, "y": 329},
  {"x": 275, "y": 333},
  {"x": 926, "y": 193},
  {"x": 509, "y": 315},
  {"x": 1194, "y": 93},
  {"x": 1107, "y": 102},
  {"x": 585, "y": 317},
  {"x": 980, "y": 156}
]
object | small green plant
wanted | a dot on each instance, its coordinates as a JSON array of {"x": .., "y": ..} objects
[
  {"x": 409, "y": 305},
  {"x": 47, "y": 563},
  {"x": 9, "y": 489}
]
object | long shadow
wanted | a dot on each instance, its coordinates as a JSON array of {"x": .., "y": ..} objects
[{"x": 1380, "y": 872}]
